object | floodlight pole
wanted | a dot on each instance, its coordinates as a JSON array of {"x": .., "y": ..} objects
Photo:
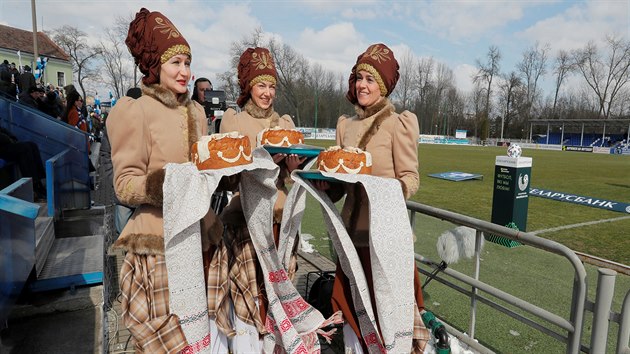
[
  {"x": 34, "y": 20},
  {"x": 316, "y": 104},
  {"x": 502, "y": 123}
]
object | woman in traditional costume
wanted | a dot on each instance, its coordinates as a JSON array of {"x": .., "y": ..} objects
[
  {"x": 146, "y": 134},
  {"x": 391, "y": 139},
  {"x": 244, "y": 323}
]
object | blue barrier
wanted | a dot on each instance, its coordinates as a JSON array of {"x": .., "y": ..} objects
[
  {"x": 53, "y": 137},
  {"x": 64, "y": 190},
  {"x": 17, "y": 241}
]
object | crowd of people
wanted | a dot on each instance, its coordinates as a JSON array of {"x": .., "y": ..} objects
[{"x": 65, "y": 104}]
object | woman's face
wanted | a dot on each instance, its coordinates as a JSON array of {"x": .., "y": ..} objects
[
  {"x": 367, "y": 88},
  {"x": 175, "y": 74},
  {"x": 263, "y": 94},
  {"x": 78, "y": 103}
]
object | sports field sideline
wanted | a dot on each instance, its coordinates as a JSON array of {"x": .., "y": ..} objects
[
  {"x": 584, "y": 229},
  {"x": 535, "y": 275}
]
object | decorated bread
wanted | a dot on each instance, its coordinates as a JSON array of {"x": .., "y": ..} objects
[
  {"x": 279, "y": 137},
  {"x": 221, "y": 150},
  {"x": 349, "y": 160}
]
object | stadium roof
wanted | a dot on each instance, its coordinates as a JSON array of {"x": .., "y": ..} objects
[
  {"x": 622, "y": 124},
  {"x": 581, "y": 121}
]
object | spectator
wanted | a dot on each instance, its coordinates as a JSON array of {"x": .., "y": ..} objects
[
  {"x": 26, "y": 80},
  {"x": 15, "y": 74},
  {"x": 26, "y": 155},
  {"x": 5, "y": 80},
  {"x": 32, "y": 97},
  {"x": 68, "y": 89},
  {"x": 201, "y": 86},
  {"x": 73, "y": 114},
  {"x": 51, "y": 105}
]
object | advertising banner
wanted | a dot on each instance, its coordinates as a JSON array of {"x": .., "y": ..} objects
[
  {"x": 510, "y": 200},
  {"x": 577, "y": 148},
  {"x": 582, "y": 200}
]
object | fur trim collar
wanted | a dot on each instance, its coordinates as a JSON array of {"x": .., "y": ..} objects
[
  {"x": 166, "y": 96},
  {"x": 170, "y": 100},
  {"x": 257, "y": 112},
  {"x": 374, "y": 117},
  {"x": 379, "y": 105}
]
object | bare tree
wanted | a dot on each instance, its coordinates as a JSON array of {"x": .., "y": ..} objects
[
  {"x": 116, "y": 59},
  {"x": 292, "y": 68},
  {"x": 562, "y": 68},
  {"x": 444, "y": 81},
  {"x": 485, "y": 74},
  {"x": 405, "y": 86},
  {"x": 74, "y": 42},
  {"x": 532, "y": 67},
  {"x": 509, "y": 90},
  {"x": 423, "y": 77},
  {"x": 229, "y": 78},
  {"x": 605, "y": 76},
  {"x": 476, "y": 106}
]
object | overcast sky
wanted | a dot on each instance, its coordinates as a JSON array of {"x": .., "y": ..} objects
[{"x": 333, "y": 33}]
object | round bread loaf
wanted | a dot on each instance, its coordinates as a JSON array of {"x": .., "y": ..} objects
[
  {"x": 220, "y": 151},
  {"x": 349, "y": 160},
  {"x": 279, "y": 137}
]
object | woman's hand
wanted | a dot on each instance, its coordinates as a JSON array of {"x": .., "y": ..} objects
[
  {"x": 293, "y": 161},
  {"x": 321, "y": 185},
  {"x": 277, "y": 158}
]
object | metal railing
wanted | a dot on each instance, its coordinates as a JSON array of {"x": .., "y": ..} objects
[{"x": 573, "y": 325}]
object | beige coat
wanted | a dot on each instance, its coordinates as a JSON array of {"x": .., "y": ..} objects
[
  {"x": 145, "y": 135},
  {"x": 249, "y": 123},
  {"x": 392, "y": 140}
]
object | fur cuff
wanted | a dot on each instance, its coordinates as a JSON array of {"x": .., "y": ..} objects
[
  {"x": 409, "y": 187},
  {"x": 404, "y": 189},
  {"x": 153, "y": 189},
  {"x": 141, "y": 244}
]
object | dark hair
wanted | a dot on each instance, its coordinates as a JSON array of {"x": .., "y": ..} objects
[
  {"x": 134, "y": 92},
  {"x": 72, "y": 97},
  {"x": 36, "y": 89},
  {"x": 195, "y": 94}
]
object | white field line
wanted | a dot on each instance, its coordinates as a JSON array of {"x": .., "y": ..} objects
[{"x": 537, "y": 232}]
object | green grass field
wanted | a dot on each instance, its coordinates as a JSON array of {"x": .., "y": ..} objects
[
  {"x": 594, "y": 175},
  {"x": 534, "y": 275}
]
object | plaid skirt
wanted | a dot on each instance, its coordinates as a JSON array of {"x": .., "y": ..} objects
[
  {"x": 232, "y": 274},
  {"x": 342, "y": 301},
  {"x": 145, "y": 303},
  {"x": 235, "y": 276}
]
